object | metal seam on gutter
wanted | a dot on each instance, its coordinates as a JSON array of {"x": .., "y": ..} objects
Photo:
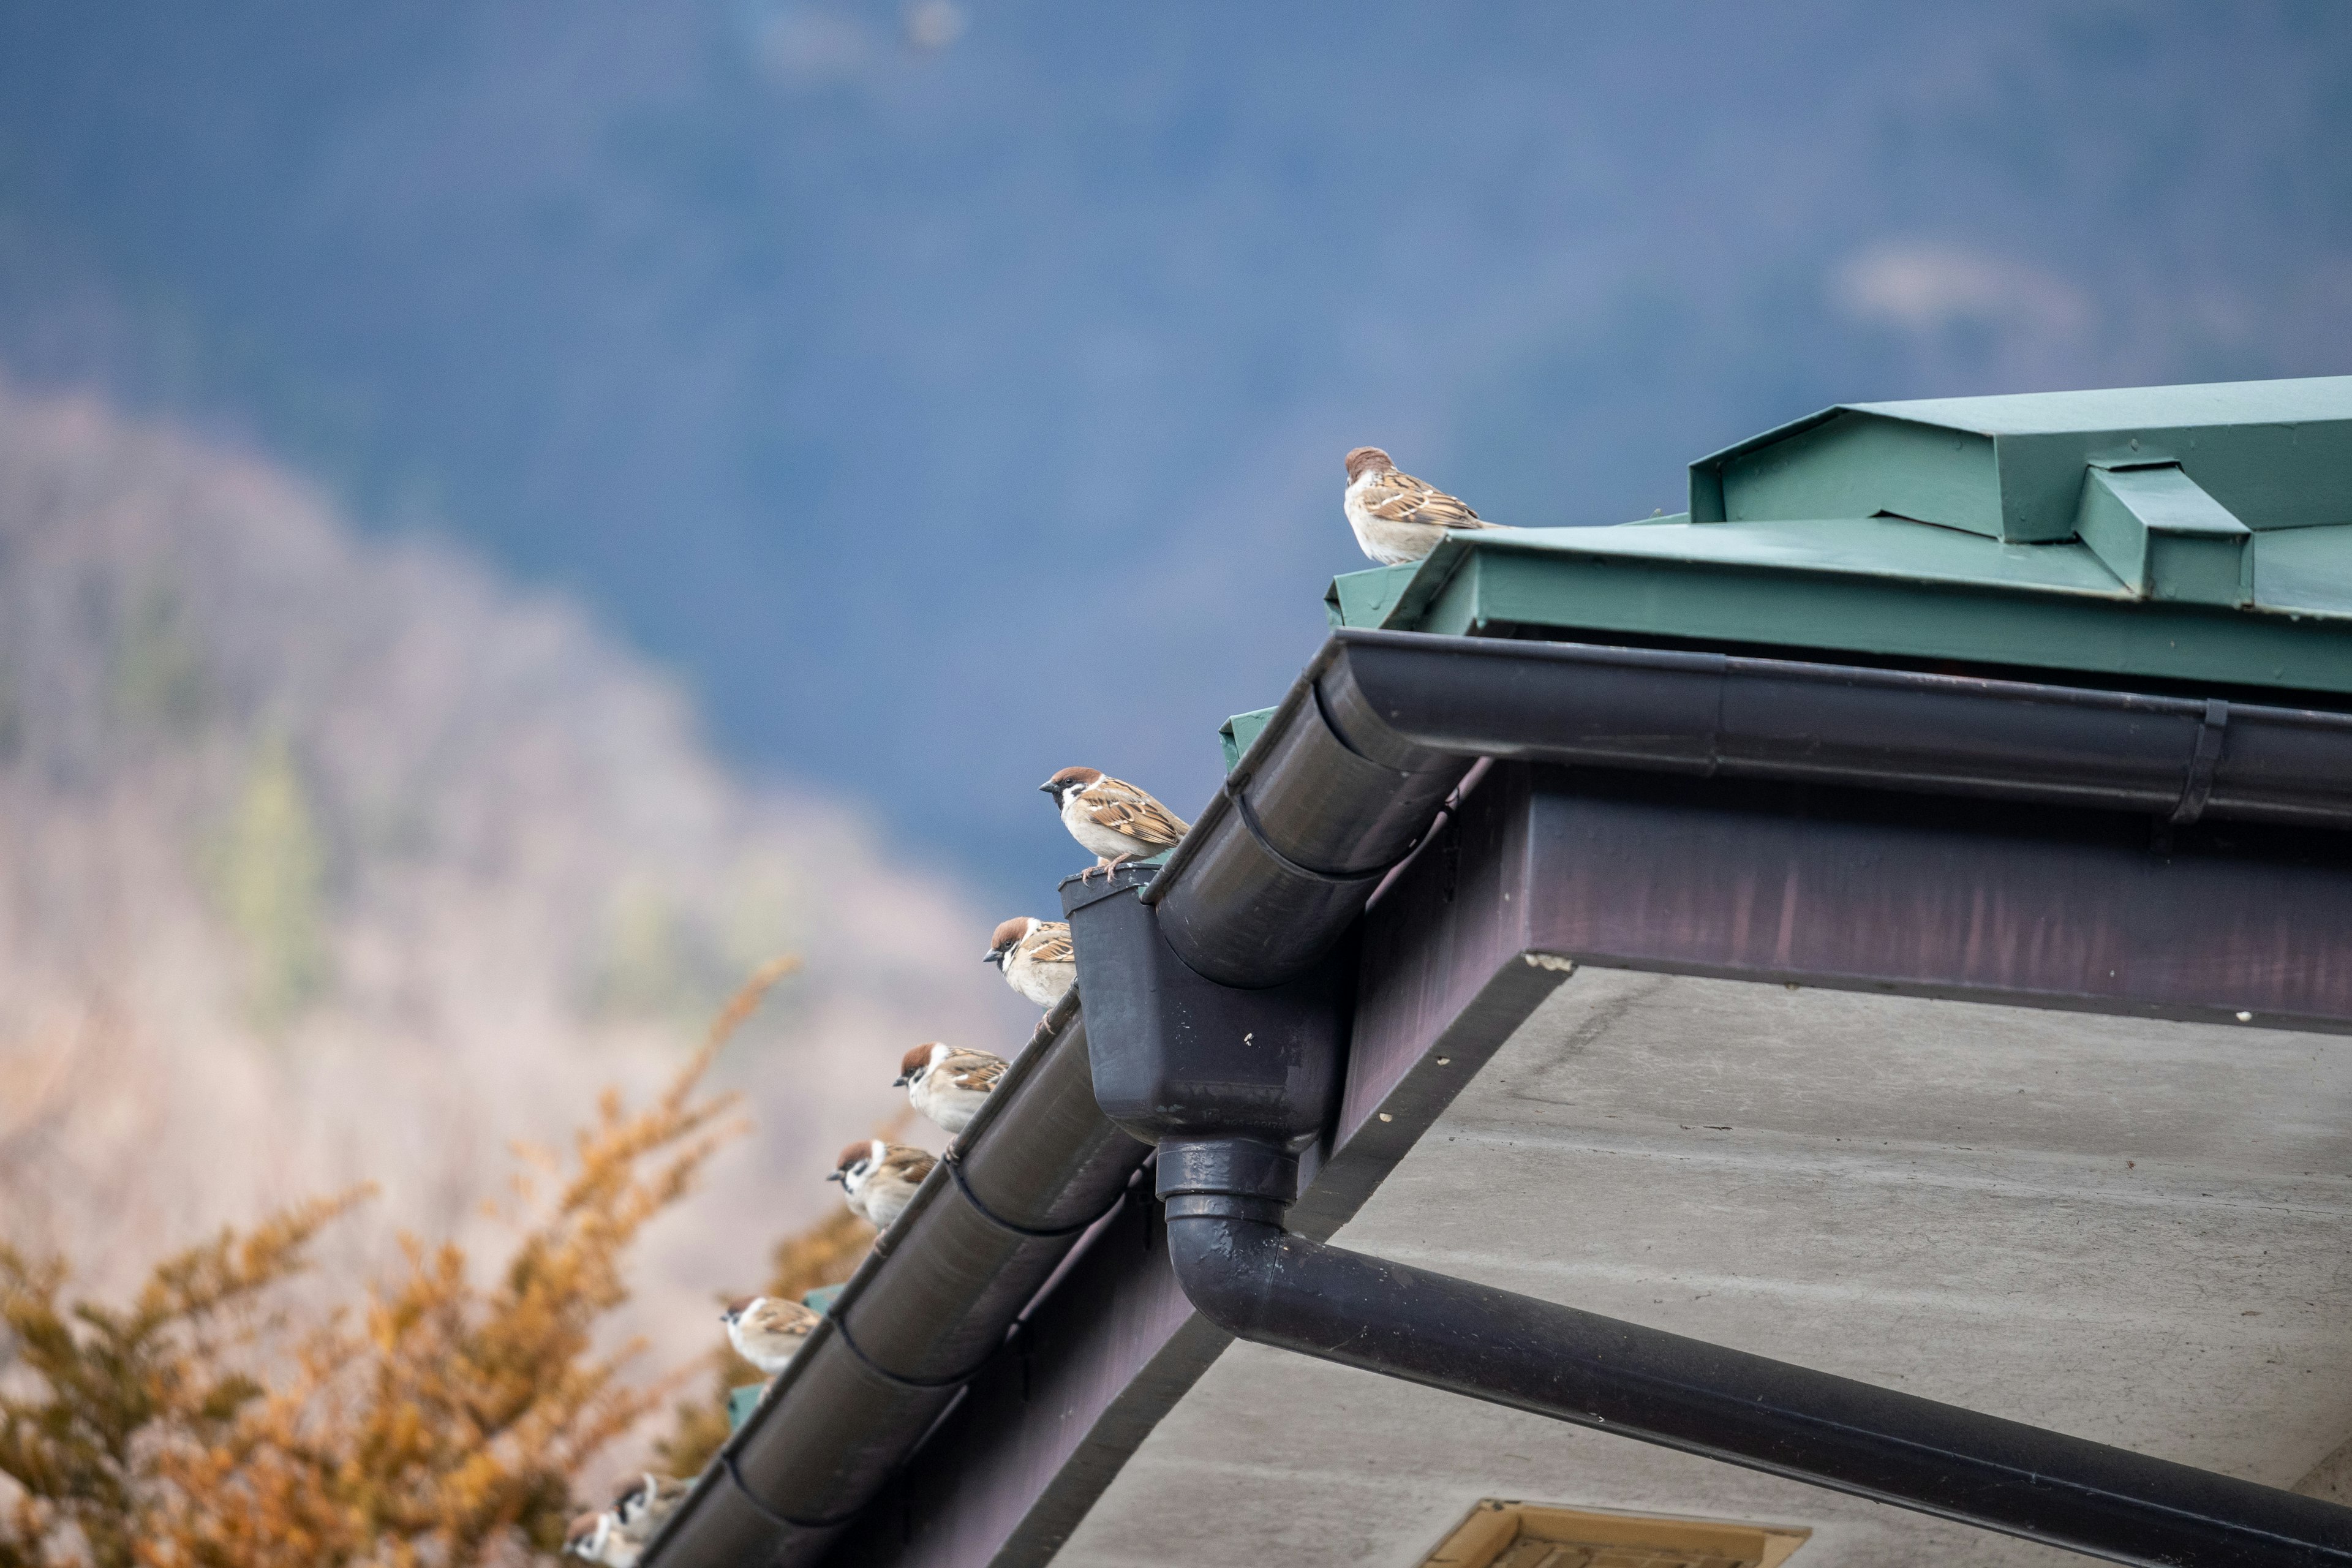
[
  {"x": 954, "y": 1162},
  {"x": 952, "y": 1379},
  {"x": 1336, "y": 878},
  {"x": 727, "y": 1460}
]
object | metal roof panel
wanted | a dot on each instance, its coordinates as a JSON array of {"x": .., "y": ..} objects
[{"x": 2182, "y": 533}]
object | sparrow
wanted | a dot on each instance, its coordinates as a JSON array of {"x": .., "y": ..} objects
[
  {"x": 1115, "y": 822},
  {"x": 768, "y": 1330},
  {"x": 637, "y": 1515},
  {"x": 1397, "y": 516},
  {"x": 589, "y": 1535},
  {"x": 946, "y": 1085},
  {"x": 879, "y": 1180},
  {"x": 1036, "y": 958}
]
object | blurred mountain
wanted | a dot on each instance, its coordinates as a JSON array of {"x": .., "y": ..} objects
[
  {"x": 332, "y": 859},
  {"x": 954, "y": 393}
]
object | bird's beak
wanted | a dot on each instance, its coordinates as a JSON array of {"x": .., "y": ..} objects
[
  {"x": 899, "y": 1082},
  {"x": 1046, "y": 787},
  {"x": 839, "y": 1176},
  {"x": 991, "y": 956}
]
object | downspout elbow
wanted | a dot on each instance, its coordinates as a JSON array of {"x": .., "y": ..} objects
[
  {"x": 1227, "y": 1252},
  {"x": 1226, "y": 1199}
]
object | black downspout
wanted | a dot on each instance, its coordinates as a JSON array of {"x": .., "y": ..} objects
[{"x": 1256, "y": 1281}]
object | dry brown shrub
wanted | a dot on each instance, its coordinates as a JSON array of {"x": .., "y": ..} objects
[{"x": 442, "y": 1423}]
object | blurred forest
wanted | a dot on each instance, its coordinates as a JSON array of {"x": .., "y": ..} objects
[{"x": 331, "y": 861}]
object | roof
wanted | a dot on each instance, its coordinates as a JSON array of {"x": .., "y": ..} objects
[{"x": 2184, "y": 533}]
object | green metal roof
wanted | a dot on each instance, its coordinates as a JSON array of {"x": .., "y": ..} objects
[{"x": 2199, "y": 533}]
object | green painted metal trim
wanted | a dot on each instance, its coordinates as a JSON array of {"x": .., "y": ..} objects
[
  {"x": 2302, "y": 400},
  {"x": 2304, "y": 571},
  {"x": 1238, "y": 731},
  {"x": 821, "y": 1299},
  {"x": 2158, "y": 531},
  {"x": 741, "y": 1402},
  {"x": 1557, "y": 588},
  {"x": 1367, "y": 598},
  {"x": 2275, "y": 453}
]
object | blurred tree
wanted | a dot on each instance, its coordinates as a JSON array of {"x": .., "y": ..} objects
[
  {"x": 96, "y": 1395},
  {"x": 442, "y": 1422},
  {"x": 270, "y": 876}
]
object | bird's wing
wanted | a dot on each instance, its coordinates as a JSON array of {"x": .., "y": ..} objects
[
  {"x": 1401, "y": 497},
  {"x": 972, "y": 1069},
  {"x": 788, "y": 1318},
  {"x": 1123, "y": 808},
  {"x": 910, "y": 1165},
  {"x": 1052, "y": 944}
]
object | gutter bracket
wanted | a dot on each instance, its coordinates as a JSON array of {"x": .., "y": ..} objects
[{"x": 2203, "y": 763}]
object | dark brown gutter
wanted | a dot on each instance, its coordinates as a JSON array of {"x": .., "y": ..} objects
[
  {"x": 1353, "y": 764},
  {"x": 930, "y": 1306}
]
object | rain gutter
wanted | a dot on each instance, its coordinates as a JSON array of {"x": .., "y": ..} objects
[
  {"x": 1353, "y": 764},
  {"x": 1237, "y": 940}
]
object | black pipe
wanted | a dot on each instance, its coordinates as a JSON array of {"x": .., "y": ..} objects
[
  {"x": 1354, "y": 764},
  {"x": 1258, "y": 1282}
]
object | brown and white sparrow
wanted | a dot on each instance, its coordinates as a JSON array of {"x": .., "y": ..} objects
[
  {"x": 1112, "y": 820},
  {"x": 1397, "y": 516},
  {"x": 1036, "y": 958},
  {"x": 588, "y": 1535},
  {"x": 879, "y": 1180},
  {"x": 768, "y": 1330},
  {"x": 946, "y": 1085},
  {"x": 637, "y": 1515}
]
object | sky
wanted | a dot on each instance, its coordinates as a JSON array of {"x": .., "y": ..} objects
[{"x": 950, "y": 393}]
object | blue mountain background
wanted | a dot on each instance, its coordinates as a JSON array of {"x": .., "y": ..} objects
[{"x": 951, "y": 394}]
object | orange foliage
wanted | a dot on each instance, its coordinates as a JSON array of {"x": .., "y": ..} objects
[{"x": 441, "y": 1424}]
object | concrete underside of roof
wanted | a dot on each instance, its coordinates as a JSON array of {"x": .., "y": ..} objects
[{"x": 2127, "y": 1229}]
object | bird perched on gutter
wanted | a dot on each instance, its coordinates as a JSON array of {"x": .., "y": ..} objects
[
  {"x": 1036, "y": 958},
  {"x": 946, "y": 1085},
  {"x": 590, "y": 1534},
  {"x": 637, "y": 1515},
  {"x": 1112, "y": 820},
  {"x": 768, "y": 1330},
  {"x": 1396, "y": 517},
  {"x": 879, "y": 1180}
]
